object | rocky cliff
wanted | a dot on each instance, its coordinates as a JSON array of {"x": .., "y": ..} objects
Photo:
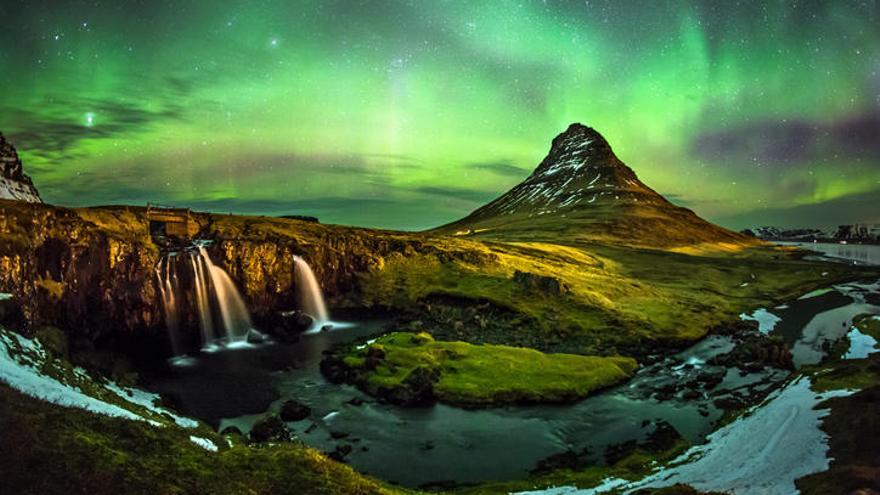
[
  {"x": 14, "y": 184},
  {"x": 92, "y": 271}
]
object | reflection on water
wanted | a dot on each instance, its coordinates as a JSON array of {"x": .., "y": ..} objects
[{"x": 866, "y": 254}]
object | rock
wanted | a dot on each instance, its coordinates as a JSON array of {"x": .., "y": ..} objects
[
  {"x": 292, "y": 410},
  {"x": 691, "y": 395},
  {"x": 11, "y": 315},
  {"x": 230, "y": 430},
  {"x": 375, "y": 356},
  {"x": 311, "y": 428},
  {"x": 326, "y": 328},
  {"x": 355, "y": 401},
  {"x": 270, "y": 429},
  {"x": 540, "y": 283},
  {"x": 337, "y": 435},
  {"x": 291, "y": 324},
  {"x": 730, "y": 403},
  {"x": 662, "y": 438},
  {"x": 417, "y": 388},
  {"x": 255, "y": 337}
]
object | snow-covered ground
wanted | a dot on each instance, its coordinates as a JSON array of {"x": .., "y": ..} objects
[
  {"x": 762, "y": 452},
  {"x": 22, "y": 366}
]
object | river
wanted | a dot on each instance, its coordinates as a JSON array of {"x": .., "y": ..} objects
[{"x": 439, "y": 445}]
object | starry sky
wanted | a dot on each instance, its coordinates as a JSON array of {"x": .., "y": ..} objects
[{"x": 410, "y": 114}]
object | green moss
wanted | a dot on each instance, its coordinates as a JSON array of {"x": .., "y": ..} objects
[{"x": 480, "y": 375}]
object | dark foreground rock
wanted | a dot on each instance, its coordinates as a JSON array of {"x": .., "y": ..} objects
[
  {"x": 292, "y": 410},
  {"x": 270, "y": 429}
]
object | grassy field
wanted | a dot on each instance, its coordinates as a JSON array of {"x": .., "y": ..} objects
[{"x": 480, "y": 375}]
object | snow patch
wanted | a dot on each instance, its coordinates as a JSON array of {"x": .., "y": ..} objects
[
  {"x": 766, "y": 320},
  {"x": 148, "y": 401},
  {"x": 204, "y": 443},
  {"x": 23, "y": 374},
  {"x": 761, "y": 453},
  {"x": 860, "y": 345}
]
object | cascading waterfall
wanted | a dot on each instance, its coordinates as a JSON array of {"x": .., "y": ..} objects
[
  {"x": 309, "y": 292},
  {"x": 223, "y": 316},
  {"x": 203, "y": 303},
  {"x": 168, "y": 293},
  {"x": 233, "y": 312}
]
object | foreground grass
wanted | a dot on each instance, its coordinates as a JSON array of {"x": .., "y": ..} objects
[
  {"x": 404, "y": 366},
  {"x": 49, "y": 449}
]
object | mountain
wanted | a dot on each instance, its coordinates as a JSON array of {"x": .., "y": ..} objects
[
  {"x": 581, "y": 191},
  {"x": 14, "y": 184},
  {"x": 858, "y": 233}
]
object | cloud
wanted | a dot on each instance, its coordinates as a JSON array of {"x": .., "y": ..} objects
[
  {"x": 855, "y": 208},
  {"x": 499, "y": 168},
  {"x": 793, "y": 142},
  {"x": 458, "y": 193},
  {"x": 55, "y": 129}
]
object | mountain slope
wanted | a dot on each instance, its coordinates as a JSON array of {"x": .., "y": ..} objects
[
  {"x": 14, "y": 184},
  {"x": 582, "y": 192}
]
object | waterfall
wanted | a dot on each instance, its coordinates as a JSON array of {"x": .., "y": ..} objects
[
  {"x": 168, "y": 293},
  {"x": 203, "y": 303},
  {"x": 309, "y": 292},
  {"x": 233, "y": 312},
  {"x": 223, "y": 316}
]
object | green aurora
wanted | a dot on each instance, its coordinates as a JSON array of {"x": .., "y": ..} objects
[{"x": 409, "y": 114}]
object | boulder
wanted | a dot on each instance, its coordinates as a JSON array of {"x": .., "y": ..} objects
[
  {"x": 270, "y": 429},
  {"x": 540, "y": 283},
  {"x": 292, "y": 410}
]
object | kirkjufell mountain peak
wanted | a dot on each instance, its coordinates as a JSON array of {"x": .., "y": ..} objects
[{"x": 582, "y": 191}]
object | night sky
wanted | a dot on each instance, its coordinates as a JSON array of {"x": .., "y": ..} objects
[{"x": 409, "y": 114}]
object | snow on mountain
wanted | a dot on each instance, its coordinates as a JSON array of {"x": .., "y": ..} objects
[
  {"x": 14, "y": 184},
  {"x": 582, "y": 191}
]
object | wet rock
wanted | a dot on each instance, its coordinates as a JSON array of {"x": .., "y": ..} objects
[
  {"x": 270, "y": 429},
  {"x": 729, "y": 403},
  {"x": 326, "y": 328},
  {"x": 355, "y": 401},
  {"x": 691, "y": 395},
  {"x": 429, "y": 445},
  {"x": 664, "y": 437},
  {"x": 231, "y": 430},
  {"x": 337, "y": 435},
  {"x": 291, "y": 324},
  {"x": 292, "y": 410},
  {"x": 311, "y": 428}
]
